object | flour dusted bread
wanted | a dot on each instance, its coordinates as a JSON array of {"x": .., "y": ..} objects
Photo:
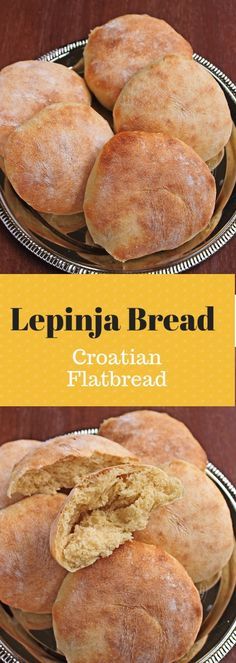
[
  {"x": 10, "y": 454},
  {"x": 29, "y": 576},
  {"x": 197, "y": 528},
  {"x": 179, "y": 97},
  {"x": 28, "y": 86},
  {"x": 155, "y": 437},
  {"x": 124, "y": 45},
  {"x": 139, "y": 604},
  {"x": 61, "y": 461},
  {"x": 147, "y": 192},
  {"x": 48, "y": 158},
  {"x": 104, "y": 510}
]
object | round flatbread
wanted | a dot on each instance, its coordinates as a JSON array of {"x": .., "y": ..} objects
[
  {"x": 28, "y": 86},
  {"x": 116, "y": 50},
  {"x": 139, "y": 604},
  {"x": 155, "y": 437},
  {"x": 10, "y": 454},
  {"x": 48, "y": 158},
  {"x": 147, "y": 192},
  {"x": 181, "y": 98}
]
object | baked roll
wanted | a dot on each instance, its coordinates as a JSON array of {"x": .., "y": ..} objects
[
  {"x": 197, "y": 528},
  {"x": 10, "y": 454},
  {"x": 139, "y": 604},
  {"x": 155, "y": 437},
  {"x": 179, "y": 97},
  {"x": 29, "y": 576},
  {"x": 147, "y": 192},
  {"x": 48, "y": 158},
  {"x": 28, "y": 86},
  {"x": 116, "y": 50}
]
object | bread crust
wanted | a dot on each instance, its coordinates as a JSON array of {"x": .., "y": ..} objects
[
  {"x": 88, "y": 452},
  {"x": 10, "y": 454},
  {"x": 164, "y": 195},
  {"x": 155, "y": 437},
  {"x": 28, "y": 86},
  {"x": 179, "y": 97},
  {"x": 116, "y": 50},
  {"x": 29, "y": 576},
  {"x": 48, "y": 158},
  {"x": 196, "y": 529},
  {"x": 137, "y": 605}
]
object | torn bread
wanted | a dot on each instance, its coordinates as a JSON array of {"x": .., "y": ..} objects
[
  {"x": 104, "y": 510},
  {"x": 61, "y": 462}
]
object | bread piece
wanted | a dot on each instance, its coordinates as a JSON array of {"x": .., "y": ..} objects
[
  {"x": 138, "y": 605},
  {"x": 61, "y": 461},
  {"x": 31, "y": 621},
  {"x": 29, "y": 576},
  {"x": 181, "y": 98},
  {"x": 116, "y": 50},
  {"x": 196, "y": 529},
  {"x": 155, "y": 437},
  {"x": 164, "y": 195},
  {"x": 48, "y": 158},
  {"x": 10, "y": 454},
  {"x": 104, "y": 510},
  {"x": 28, "y": 86}
]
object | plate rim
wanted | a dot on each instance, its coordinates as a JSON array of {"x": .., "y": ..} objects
[
  {"x": 227, "y": 642},
  {"x": 64, "y": 265}
]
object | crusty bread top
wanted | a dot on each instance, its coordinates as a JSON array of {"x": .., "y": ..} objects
[
  {"x": 27, "y": 86},
  {"x": 197, "y": 528},
  {"x": 29, "y": 576},
  {"x": 155, "y": 437},
  {"x": 104, "y": 510},
  {"x": 62, "y": 460},
  {"x": 10, "y": 454},
  {"x": 164, "y": 195},
  {"x": 116, "y": 50},
  {"x": 179, "y": 97},
  {"x": 139, "y": 604},
  {"x": 48, "y": 158}
]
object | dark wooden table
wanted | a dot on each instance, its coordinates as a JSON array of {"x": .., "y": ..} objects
[{"x": 29, "y": 28}]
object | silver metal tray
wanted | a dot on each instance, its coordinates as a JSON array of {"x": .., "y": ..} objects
[
  {"x": 64, "y": 242},
  {"x": 217, "y": 635}
]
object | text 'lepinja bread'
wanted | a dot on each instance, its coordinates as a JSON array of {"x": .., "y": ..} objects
[
  {"x": 48, "y": 158},
  {"x": 196, "y": 529},
  {"x": 104, "y": 510},
  {"x": 29, "y": 576},
  {"x": 124, "y": 45},
  {"x": 139, "y": 604},
  {"x": 10, "y": 454},
  {"x": 61, "y": 461},
  {"x": 181, "y": 98},
  {"x": 28, "y": 86},
  {"x": 147, "y": 192},
  {"x": 155, "y": 437}
]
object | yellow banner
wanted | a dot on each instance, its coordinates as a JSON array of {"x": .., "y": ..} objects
[{"x": 117, "y": 340}]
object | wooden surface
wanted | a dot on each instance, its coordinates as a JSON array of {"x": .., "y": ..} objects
[{"x": 29, "y": 28}]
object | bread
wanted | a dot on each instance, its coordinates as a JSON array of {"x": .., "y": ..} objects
[
  {"x": 27, "y": 87},
  {"x": 124, "y": 45},
  {"x": 10, "y": 454},
  {"x": 164, "y": 195},
  {"x": 104, "y": 510},
  {"x": 196, "y": 529},
  {"x": 29, "y": 576},
  {"x": 61, "y": 461},
  {"x": 155, "y": 437},
  {"x": 48, "y": 158},
  {"x": 31, "y": 621},
  {"x": 179, "y": 97},
  {"x": 136, "y": 605}
]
